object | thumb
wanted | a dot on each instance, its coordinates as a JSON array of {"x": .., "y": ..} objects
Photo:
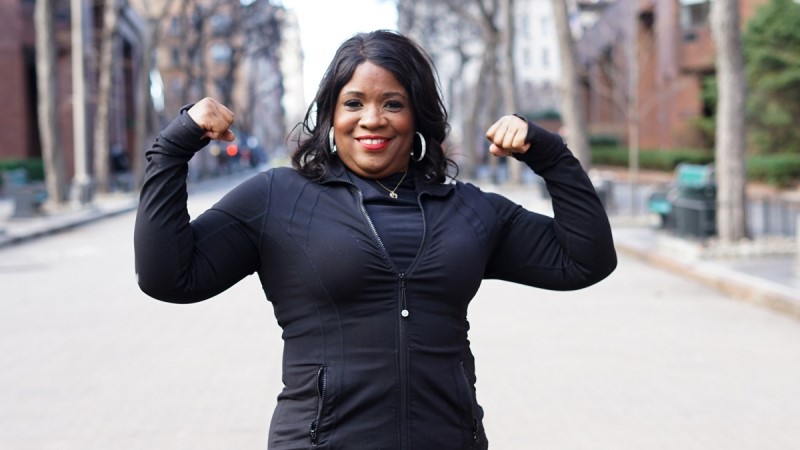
[{"x": 228, "y": 136}]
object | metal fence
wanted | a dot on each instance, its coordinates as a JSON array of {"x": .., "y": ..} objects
[{"x": 773, "y": 216}]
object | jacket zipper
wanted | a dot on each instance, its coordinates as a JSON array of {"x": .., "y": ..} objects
[
  {"x": 404, "y": 312},
  {"x": 471, "y": 398},
  {"x": 322, "y": 387}
]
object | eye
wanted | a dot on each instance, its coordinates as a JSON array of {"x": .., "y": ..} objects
[
  {"x": 394, "y": 105},
  {"x": 352, "y": 104}
]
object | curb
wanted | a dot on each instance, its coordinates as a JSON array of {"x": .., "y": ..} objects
[
  {"x": 59, "y": 223},
  {"x": 739, "y": 285}
]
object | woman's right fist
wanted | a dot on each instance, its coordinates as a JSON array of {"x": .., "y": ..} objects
[{"x": 213, "y": 117}]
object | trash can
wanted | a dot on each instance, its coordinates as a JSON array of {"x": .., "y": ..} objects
[
  {"x": 605, "y": 190},
  {"x": 694, "y": 201}
]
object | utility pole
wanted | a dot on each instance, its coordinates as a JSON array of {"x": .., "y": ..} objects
[{"x": 81, "y": 182}]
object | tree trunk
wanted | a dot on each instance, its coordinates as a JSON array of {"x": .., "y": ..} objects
[
  {"x": 474, "y": 153},
  {"x": 509, "y": 79},
  {"x": 102, "y": 146},
  {"x": 82, "y": 180},
  {"x": 49, "y": 131},
  {"x": 731, "y": 171},
  {"x": 148, "y": 118},
  {"x": 573, "y": 113},
  {"x": 632, "y": 105}
]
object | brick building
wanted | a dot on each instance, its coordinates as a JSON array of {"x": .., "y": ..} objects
[
  {"x": 19, "y": 91},
  {"x": 245, "y": 54},
  {"x": 674, "y": 52}
]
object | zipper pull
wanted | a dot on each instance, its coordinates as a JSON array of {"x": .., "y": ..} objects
[{"x": 403, "y": 305}]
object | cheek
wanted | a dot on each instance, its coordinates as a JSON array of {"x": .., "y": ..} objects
[
  {"x": 342, "y": 121},
  {"x": 405, "y": 128}
]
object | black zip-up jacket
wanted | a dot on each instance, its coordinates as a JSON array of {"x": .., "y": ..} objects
[{"x": 374, "y": 358}]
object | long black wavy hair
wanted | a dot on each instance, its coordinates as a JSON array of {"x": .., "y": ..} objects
[{"x": 413, "y": 68}]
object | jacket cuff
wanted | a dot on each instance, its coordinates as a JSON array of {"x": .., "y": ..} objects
[
  {"x": 184, "y": 134},
  {"x": 545, "y": 149}
]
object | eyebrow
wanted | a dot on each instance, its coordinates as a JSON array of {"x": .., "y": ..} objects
[{"x": 385, "y": 95}]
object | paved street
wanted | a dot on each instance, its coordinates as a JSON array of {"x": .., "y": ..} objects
[{"x": 644, "y": 360}]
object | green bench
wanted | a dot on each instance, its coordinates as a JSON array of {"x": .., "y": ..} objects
[
  {"x": 688, "y": 206},
  {"x": 28, "y": 196}
]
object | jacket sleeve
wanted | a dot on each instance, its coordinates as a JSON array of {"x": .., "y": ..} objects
[
  {"x": 571, "y": 250},
  {"x": 183, "y": 261}
]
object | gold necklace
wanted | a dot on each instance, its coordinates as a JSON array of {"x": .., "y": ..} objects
[{"x": 392, "y": 192}]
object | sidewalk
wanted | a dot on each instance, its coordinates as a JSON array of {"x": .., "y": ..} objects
[
  {"x": 18, "y": 230},
  {"x": 768, "y": 278},
  {"x": 763, "y": 273}
]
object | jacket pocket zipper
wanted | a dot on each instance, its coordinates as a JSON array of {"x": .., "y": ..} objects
[
  {"x": 322, "y": 386},
  {"x": 471, "y": 399}
]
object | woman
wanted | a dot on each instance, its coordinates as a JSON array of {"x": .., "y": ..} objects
[{"x": 369, "y": 256}]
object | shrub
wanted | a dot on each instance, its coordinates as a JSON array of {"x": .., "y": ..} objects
[
  {"x": 665, "y": 160},
  {"x": 604, "y": 140},
  {"x": 547, "y": 114},
  {"x": 33, "y": 166},
  {"x": 778, "y": 169}
]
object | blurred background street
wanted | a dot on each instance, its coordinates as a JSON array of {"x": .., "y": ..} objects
[
  {"x": 682, "y": 111},
  {"x": 647, "y": 359}
]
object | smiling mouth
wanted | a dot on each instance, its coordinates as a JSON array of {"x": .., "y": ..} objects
[{"x": 374, "y": 143}]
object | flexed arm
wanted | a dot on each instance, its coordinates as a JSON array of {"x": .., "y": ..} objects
[
  {"x": 573, "y": 249},
  {"x": 178, "y": 260}
]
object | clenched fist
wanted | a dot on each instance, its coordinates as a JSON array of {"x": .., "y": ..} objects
[
  {"x": 507, "y": 136},
  {"x": 214, "y": 118}
]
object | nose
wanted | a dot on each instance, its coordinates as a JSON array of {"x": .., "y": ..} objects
[{"x": 371, "y": 117}]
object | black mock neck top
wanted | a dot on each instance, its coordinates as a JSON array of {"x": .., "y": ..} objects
[{"x": 398, "y": 221}]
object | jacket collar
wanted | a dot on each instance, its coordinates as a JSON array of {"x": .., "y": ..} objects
[{"x": 337, "y": 173}]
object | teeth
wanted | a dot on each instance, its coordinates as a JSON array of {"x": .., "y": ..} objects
[{"x": 373, "y": 141}]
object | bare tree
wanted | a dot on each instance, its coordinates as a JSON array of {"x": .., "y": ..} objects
[
  {"x": 49, "y": 131},
  {"x": 486, "y": 97},
  {"x": 449, "y": 39},
  {"x": 731, "y": 172},
  {"x": 617, "y": 49},
  {"x": 260, "y": 24},
  {"x": 508, "y": 77},
  {"x": 148, "y": 119},
  {"x": 102, "y": 163},
  {"x": 572, "y": 99}
]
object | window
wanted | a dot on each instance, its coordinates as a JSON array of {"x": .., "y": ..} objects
[
  {"x": 694, "y": 12},
  {"x": 220, "y": 24},
  {"x": 175, "y": 26},
  {"x": 220, "y": 53},
  {"x": 176, "y": 85},
  {"x": 176, "y": 57}
]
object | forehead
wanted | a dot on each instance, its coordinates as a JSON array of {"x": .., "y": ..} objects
[{"x": 372, "y": 78}]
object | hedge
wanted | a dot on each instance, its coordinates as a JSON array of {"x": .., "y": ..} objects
[
  {"x": 781, "y": 170},
  {"x": 34, "y": 167},
  {"x": 650, "y": 159}
]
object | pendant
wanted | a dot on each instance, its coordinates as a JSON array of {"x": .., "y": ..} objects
[{"x": 392, "y": 194}]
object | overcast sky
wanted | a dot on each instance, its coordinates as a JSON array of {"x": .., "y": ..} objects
[{"x": 325, "y": 24}]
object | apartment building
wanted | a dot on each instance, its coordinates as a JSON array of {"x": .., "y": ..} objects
[
  {"x": 647, "y": 59},
  {"x": 19, "y": 88}
]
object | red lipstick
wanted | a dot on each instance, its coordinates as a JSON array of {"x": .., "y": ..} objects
[{"x": 373, "y": 143}]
